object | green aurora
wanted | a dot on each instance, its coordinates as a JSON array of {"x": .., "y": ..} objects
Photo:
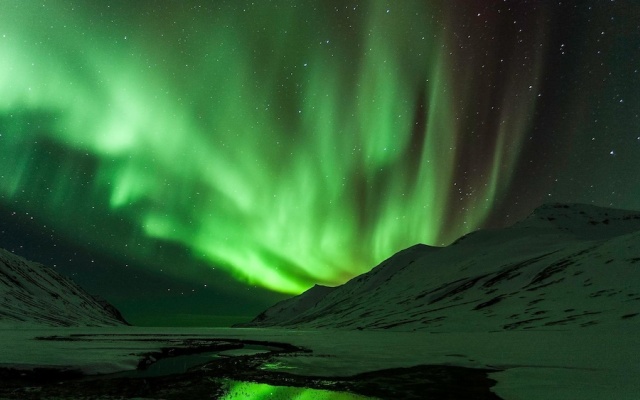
[{"x": 280, "y": 142}]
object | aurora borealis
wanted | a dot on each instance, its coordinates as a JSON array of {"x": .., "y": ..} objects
[{"x": 290, "y": 143}]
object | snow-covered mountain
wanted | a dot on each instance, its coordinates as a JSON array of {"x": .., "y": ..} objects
[
  {"x": 32, "y": 294},
  {"x": 563, "y": 266}
]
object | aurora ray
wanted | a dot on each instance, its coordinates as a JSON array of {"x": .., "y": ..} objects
[{"x": 284, "y": 144}]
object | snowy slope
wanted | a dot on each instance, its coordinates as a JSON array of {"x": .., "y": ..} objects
[
  {"x": 290, "y": 308},
  {"x": 32, "y": 294},
  {"x": 564, "y": 266}
]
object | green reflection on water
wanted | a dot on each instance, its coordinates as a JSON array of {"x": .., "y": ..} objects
[{"x": 257, "y": 391}]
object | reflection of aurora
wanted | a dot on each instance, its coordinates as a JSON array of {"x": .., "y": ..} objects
[
  {"x": 258, "y": 391},
  {"x": 286, "y": 147}
]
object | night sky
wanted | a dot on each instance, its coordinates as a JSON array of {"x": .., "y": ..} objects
[{"x": 195, "y": 161}]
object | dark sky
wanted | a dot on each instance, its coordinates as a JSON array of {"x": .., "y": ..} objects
[{"x": 194, "y": 162}]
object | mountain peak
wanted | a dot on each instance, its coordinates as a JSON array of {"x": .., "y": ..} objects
[
  {"x": 564, "y": 266},
  {"x": 33, "y": 294},
  {"x": 584, "y": 220}
]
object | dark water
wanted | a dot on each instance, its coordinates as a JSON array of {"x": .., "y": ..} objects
[
  {"x": 237, "y": 390},
  {"x": 181, "y": 364}
]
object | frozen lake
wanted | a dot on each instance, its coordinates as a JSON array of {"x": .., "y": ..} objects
[{"x": 592, "y": 363}]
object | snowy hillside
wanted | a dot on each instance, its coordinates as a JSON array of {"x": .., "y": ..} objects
[
  {"x": 32, "y": 294},
  {"x": 563, "y": 266}
]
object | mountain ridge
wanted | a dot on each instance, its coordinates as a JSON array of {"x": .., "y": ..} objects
[
  {"x": 33, "y": 294},
  {"x": 564, "y": 266}
]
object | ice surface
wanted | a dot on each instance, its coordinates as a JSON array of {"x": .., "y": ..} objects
[{"x": 588, "y": 364}]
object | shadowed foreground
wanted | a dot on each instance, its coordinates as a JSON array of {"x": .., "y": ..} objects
[
  {"x": 216, "y": 379},
  {"x": 212, "y": 381}
]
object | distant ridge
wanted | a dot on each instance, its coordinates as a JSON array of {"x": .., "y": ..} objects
[
  {"x": 32, "y": 294},
  {"x": 565, "y": 266}
]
